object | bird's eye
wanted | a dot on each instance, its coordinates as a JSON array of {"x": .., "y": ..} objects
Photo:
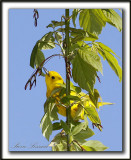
[{"x": 53, "y": 77}]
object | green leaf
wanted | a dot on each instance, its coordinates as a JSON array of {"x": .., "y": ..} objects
[
  {"x": 33, "y": 55},
  {"x": 113, "y": 18},
  {"x": 60, "y": 147},
  {"x": 83, "y": 73},
  {"x": 51, "y": 109},
  {"x": 78, "y": 128},
  {"x": 65, "y": 126},
  {"x": 46, "y": 45},
  {"x": 92, "y": 114},
  {"x": 92, "y": 20},
  {"x": 49, "y": 101},
  {"x": 94, "y": 97},
  {"x": 80, "y": 35},
  {"x": 59, "y": 139},
  {"x": 58, "y": 36},
  {"x": 74, "y": 16},
  {"x": 78, "y": 112},
  {"x": 106, "y": 48},
  {"x": 46, "y": 42},
  {"x": 49, "y": 25},
  {"x": 83, "y": 134},
  {"x": 96, "y": 145},
  {"x": 112, "y": 61},
  {"x": 61, "y": 30},
  {"x": 53, "y": 114},
  {"x": 91, "y": 58},
  {"x": 75, "y": 147},
  {"x": 88, "y": 148},
  {"x": 66, "y": 99},
  {"x": 46, "y": 126},
  {"x": 56, "y": 126},
  {"x": 56, "y": 23},
  {"x": 56, "y": 90},
  {"x": 62, "y": 92},
  {"x": 39, "y": 58}
]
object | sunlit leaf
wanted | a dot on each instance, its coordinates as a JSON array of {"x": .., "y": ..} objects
[
  {"x": 78, "y": 128},
  {"x": 91, "y": 58},
  {"x": 106, "y": 48},
  {"x": 92, "y": 114},
  {"x": 74, "y": 16},
  {"x": 92, "y": 20},
  {"x": 113, "y": 18},
  {"x": 58, "y": 36},
  {"x": 88, "y": 148},
  {"x": 46, "y": 42},
  {"x": 46, "y": 126},
  {"x": 96, "y": 145},
  {"x": 112, "y": 61},
  {"x": 94, "y": 97}
]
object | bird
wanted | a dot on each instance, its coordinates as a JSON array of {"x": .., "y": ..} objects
[{"x": 54, "y": 80}]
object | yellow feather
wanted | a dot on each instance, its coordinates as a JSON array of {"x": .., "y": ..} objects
[{"x": 53, "y": 81}]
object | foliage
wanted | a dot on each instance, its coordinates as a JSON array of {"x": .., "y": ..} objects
[{"x": 85, "y": 56}]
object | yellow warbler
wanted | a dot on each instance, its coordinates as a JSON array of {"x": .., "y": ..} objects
[{"x": 53, "y": 81}]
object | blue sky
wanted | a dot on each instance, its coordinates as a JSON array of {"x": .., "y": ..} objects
[{"x": 26, "y": 107}]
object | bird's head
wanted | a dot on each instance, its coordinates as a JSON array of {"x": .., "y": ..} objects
[{"x": 53, "y": 79}]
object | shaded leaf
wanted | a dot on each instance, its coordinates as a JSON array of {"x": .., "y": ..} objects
[
  {"x": 80, "y": 35},
  {"x": 55, "y": 24},
  {"x": 83, "y": 134},
  {"x": 39, "y": 57},
  {"x": 65, "y": 126},
  {"x": 67, "y": 99},
  {"x": 33, "y": 55},
  {"x": 56, "y": 126},
  {"x": 83, "y": 73}
]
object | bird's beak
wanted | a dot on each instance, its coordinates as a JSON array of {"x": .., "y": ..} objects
[{"x": 47, "y": 72}]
